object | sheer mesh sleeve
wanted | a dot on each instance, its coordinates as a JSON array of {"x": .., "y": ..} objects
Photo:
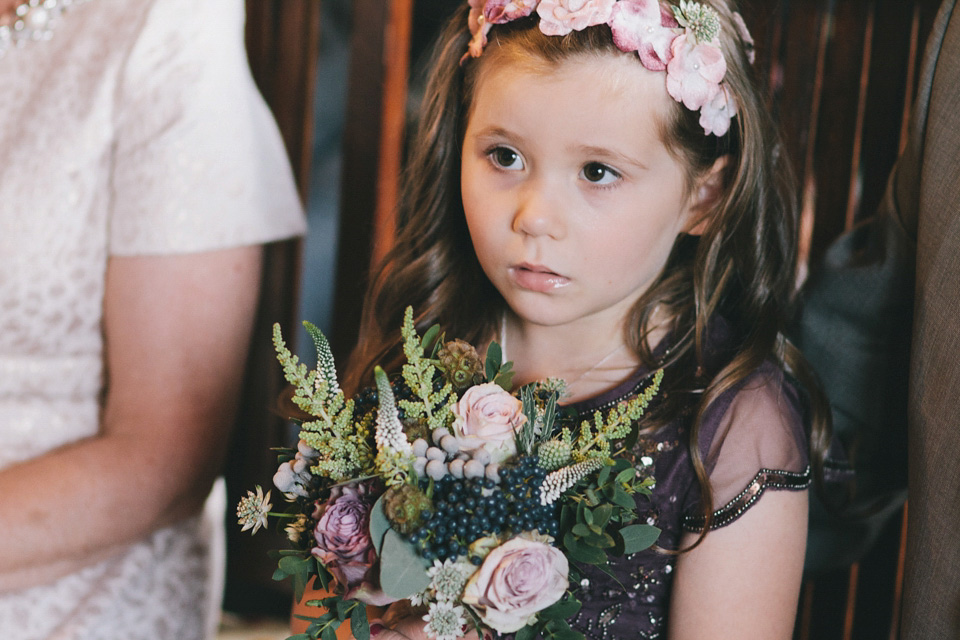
[
  {"x": 198, "y": 161},
  {"x": 753, "y": 441}
]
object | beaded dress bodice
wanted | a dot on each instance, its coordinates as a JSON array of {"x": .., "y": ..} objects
[{"x": 634, "y": 602}]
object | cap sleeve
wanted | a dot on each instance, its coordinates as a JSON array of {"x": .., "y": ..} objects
[
  {"x": 198, "y": 162},
  {"x": 754, "y": 442}
]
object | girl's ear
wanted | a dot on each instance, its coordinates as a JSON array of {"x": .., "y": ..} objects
[{"x": 706, "y": 193}]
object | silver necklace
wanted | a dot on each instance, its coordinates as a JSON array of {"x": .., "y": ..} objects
[
  {"x": 569, "y": 383},
  {"x": 32, "y": 21}
]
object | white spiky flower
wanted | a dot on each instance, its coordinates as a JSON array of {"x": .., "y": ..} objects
[
  {"x": 445, "y": 621},
  {"x": 562, "y": 479},
  {"x": 420, "y": 598},
  {"x": 326, "y": 367},
  {"x": 448, "y": 578},
  {"x": 389, "y": 428},
  {"x": 253, "y": 509}
]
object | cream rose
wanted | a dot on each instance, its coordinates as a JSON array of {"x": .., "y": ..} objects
[
  {"x": 487, "y": 418},
  {"x": 515, "y": 581}
]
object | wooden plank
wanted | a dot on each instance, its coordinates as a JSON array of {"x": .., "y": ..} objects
[
  {"x": 358, "y": 197},
  {"x": 282, "y": 42}
]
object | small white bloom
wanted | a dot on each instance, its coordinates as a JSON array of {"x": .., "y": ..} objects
[
  {"x": 448, "y": 578},
  {"x": 253, "y": 509},
  {"x": 444, "y": 621},
  {"x": 418, "y": 599}
]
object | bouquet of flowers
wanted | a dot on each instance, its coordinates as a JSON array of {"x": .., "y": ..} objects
[{"x": 442, "y": 487}]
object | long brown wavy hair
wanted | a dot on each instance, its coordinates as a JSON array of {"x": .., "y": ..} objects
[{"x": 741, "y": 268}]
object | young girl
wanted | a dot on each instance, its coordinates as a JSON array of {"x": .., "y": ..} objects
[{"x": 597, "y": 185}]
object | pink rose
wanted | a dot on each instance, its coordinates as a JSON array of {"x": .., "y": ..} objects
[
  {"x": 487, "y": 417},
  {"x": 515, "y": 581},
  {"x": 343, "y": 535},
  {"x": 694, "y": 72},
  {"x": 715, "y": 116},
  {"x": 560, "y": 17},
  {"x": 647, "y": 27}
]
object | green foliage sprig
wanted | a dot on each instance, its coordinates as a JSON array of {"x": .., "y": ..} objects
[
  {"x": 594, "y": 441},
  {"x": 432, "y": 406},
  {"x": 343, "y": 444}
]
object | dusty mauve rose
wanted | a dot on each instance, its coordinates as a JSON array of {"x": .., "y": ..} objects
[
  {"x": 487, "y": 417},
  {"x": 560, "y": 17},
  {"x": 343, "y": 536},
  {"x": 515, "y": 581}
]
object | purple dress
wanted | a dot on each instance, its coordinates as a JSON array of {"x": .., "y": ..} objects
[{"x": 752, "y": 441}]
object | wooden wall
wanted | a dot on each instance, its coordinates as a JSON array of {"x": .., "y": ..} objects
[{"x": 841, "y": 76}]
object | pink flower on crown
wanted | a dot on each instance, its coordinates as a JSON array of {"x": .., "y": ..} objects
[
  {"x": 694, "y": 72},
  {"x": 560, "y": 17},
  {"x": 486, "y": 13},
  {"x": 644, "y": 26},
  {"x": 501, "y": 11},
  {"x": 715, "y": 116},
  {"x": 479, "y": 27}
]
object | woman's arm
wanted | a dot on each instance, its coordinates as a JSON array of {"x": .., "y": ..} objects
[
  {"x": 743, "y": 581},
  {"x": 177, "y": 330}
]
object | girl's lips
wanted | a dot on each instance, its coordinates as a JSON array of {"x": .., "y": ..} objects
[{"x": 537, "y": 278}]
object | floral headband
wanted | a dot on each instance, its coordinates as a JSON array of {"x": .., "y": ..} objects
[{"x": 682, "y": 40}]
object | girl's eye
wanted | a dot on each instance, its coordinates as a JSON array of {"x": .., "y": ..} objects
[
  {"x": 599, "y": 173},
  {"x": 505, "y": 158}
]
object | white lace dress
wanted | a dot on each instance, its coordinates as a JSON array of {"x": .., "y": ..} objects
[{"x": 136, "y": 129}]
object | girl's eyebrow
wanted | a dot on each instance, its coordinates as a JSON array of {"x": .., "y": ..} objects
[
  {"x": 605, "y": 153},
  {"x": 493, "y": 132}
]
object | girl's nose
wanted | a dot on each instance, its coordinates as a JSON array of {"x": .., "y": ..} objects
[{"x": 539, "y": 213}]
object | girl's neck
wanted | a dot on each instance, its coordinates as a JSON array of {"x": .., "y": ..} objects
[{"x": 590, "y": 360}]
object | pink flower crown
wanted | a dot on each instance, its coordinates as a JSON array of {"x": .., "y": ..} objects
[{"x": 683, "y": 40}]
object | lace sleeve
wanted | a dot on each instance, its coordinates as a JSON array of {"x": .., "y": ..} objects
[
  {"x": 754, "y": 444},
  {"x": 198, "y": 161}
]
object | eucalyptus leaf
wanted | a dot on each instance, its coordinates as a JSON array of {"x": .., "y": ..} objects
[
  {"x": 299, "y": 569},
  {"x": 583, "y": 553},
  {"x": 428, "y": 340},
  {"x": 626, "y": 475},
  {"x": 330, "y": 632},
  {"x": 494, "y": 360},
  {"x": 592, "y": 497},
  {"x": 359, "y": 625},
  {"x": 562, "y": 609},
  {"x": 379, "y": 524},
  {"x": 601, "y": 515},
  {"x": 402, "y": 572},
  {"x": 587, "y": 515},
  {"x": 582, "y": 530},
  {"x": 623, "y": 499},
  {"x": 343, "y": 607},
  {"x": 525, "y": 633},
  {"x": 638, "y": 537},
  {"x": 604, "y": 475}
]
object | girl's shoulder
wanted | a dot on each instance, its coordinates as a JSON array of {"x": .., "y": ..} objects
[{"x": 753, "y": 438}]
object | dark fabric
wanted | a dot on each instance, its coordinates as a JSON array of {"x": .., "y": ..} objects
[
  {"x": 854, "y": 329},
  {"x": 634, "y": 601}
]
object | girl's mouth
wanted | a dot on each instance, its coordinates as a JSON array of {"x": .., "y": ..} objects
[{"x": 537, "y": 278}]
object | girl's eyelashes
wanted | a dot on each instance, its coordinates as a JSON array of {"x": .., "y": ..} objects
[
  {"x": 599, "y": 173},
  {"x": 505, "y": 158}
]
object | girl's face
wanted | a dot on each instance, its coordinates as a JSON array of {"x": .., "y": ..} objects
[{"x": 572, "y": 200}]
